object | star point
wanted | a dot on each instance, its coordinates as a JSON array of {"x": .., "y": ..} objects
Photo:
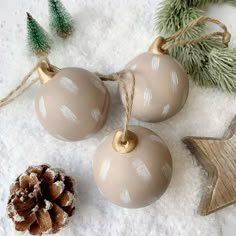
[{"x": 218, "y": 157}]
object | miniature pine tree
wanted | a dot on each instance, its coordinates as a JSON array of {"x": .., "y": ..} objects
[
  {"x": 38, "y": 39},
  {"x": 60, "y": 20}
]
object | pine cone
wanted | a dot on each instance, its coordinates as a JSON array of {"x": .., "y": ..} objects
[{"x": 41, "y": 200}]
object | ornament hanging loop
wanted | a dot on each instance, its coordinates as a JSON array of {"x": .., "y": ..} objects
[
  {"x": 162, "y": 45},
  {"x": 124, "y": 140},
  {"x": 46, "y": 71},
  {"x": 22, "y": 86}
]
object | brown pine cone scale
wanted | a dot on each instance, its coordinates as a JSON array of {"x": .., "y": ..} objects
[{"x": 41, "y": 200}]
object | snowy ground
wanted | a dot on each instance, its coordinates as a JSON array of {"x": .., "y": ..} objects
[{"x": 110, "y": 33}]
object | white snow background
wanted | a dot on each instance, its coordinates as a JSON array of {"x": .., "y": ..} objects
[{"x": 109, "y": 34}]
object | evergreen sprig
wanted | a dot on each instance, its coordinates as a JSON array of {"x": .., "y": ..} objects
[
  {"x": 38, "y": 39},
  {"x": 209, "y": 63},
  {"x": 60, "y": 20}
]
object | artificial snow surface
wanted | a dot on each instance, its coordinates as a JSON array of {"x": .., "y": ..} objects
[{"x": 109, "y": 34}]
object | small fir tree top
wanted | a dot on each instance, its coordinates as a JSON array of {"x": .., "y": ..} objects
[
  {"x": 60, "y": 19},
  {"x": 38, "y": 39}
]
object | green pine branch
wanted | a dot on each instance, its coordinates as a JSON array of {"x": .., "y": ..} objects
[
  {"x": 38, "y": 39},
  {"x": 222, "y": 68},
  {"x": 60, "y": 20},
  {"x": 200, "y": 60}
]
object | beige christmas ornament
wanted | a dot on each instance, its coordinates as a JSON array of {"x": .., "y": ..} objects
[
  {"x": 41, "y": 200},
  {"x": 132, "y": 166},
  {"x": 161, "y": 87},
  {"x": 161, "y": 83},
  {"x": 135, "y": 179},
  {"x": 72, "y": 104}
]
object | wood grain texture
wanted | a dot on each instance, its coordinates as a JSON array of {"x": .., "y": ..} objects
[{"x": 218, "y": 157}]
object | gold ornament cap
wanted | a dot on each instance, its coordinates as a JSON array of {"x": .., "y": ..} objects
[
  {"x": 135, "y": 179},
  {"x": 46, "y": 71},
  {"x": 124, "y": 146},
  {"x": 156, "y": 46}
]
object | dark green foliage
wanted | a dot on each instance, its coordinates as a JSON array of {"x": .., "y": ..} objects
[
  {"x": 201, "y": 60},
  {"x": 60, "y": 20},
  {"x": 38, "y": 39}
]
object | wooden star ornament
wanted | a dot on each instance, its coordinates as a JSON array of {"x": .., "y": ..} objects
[{"x": 218, "y": 157}]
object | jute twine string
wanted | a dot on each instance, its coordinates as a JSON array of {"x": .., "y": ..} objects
[
  {"x": 23, "y": 86},
  {"x": 120, "y": 77},
  {"x": 225, "y": 34}
]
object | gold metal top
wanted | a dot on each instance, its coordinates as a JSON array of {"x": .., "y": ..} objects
[
  {"x": 46, "y": 71},
  {"x": 156, "y": 46},
  {"x": 127, "y": 146}
]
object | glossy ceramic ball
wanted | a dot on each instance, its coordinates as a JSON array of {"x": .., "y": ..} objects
[
  {"x": 161, "y": 89},
  {"x": 73, "y": 105},
  {"x": 134, "y": 179}
]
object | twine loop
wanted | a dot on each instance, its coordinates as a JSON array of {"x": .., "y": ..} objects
[
  {"x": 23, "y": 86},
  {"x": 119, "y": 76},
  {"x": 162, "y": 45}
]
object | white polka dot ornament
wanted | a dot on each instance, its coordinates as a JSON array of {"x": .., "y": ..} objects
[
  {"x": 132, "y": 166},
  {"x": 162, "y": 86},
  {"x": 73, "y": 104},
  {"x": 135, "y": 179}
]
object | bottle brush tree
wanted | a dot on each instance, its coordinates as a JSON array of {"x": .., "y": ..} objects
[
  {"x": 61, "y": 21},
  {"x": 38, "y": 39}
]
